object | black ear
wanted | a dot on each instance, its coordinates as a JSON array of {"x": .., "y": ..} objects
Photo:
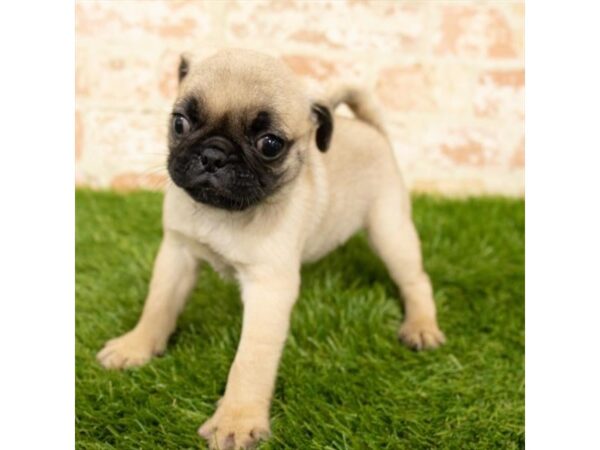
[
  {"x": 325, "y": 127},
  {"x": 184, "y": 67}
]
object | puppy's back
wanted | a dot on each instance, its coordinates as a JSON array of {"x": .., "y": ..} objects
[{"x": 360, "y": 167}]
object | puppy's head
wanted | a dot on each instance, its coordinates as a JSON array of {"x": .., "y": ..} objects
[{"x": 240, "y": 128}]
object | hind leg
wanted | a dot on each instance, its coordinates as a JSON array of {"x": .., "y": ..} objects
[{"x": 394, "y": 238}]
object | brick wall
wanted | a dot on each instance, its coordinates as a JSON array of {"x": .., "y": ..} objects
[{"x": 449, "y": 75}]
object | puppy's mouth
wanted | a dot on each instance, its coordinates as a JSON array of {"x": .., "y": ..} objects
[
  {"x": 207, "y": 184},
  {"x": 213, "y": 195},
  {"x": 232, "y": 188}
]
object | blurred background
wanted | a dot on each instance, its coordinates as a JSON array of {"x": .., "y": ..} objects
[{"x": 449, "y": 76}]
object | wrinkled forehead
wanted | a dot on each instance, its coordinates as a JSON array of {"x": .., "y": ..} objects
[{"x": 245, "y": 86}]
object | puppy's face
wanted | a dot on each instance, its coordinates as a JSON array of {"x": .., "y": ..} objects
[{"x": 240, "y": 128}]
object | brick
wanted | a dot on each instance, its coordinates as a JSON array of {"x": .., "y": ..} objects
[
  {"x": 136, "y": 20},
  {"x": 477, "y": 145},
  {"x": 500, "y": 93},
  {"x": 318, "y": 38},
  {"x": 79, "y": 131},
  {"x": 115, "y": 76},
  {"x": 426, "y": 88},
  {"x": 129, "y": 181},
  {"x": 406, "y": 88},
  {"x": 474, "y": 31},
  {"x": 121, "y": 141},
  {"x": 517, "y": 159},
  {"x": 353, "y": 26},
  {"x": 516, "y": 15},
  {"x": 467, "y": 150},
  {"x": 167, "y": 77},
  {"x": 311, "y": 67},
  {"x": 321, "y": 72}
]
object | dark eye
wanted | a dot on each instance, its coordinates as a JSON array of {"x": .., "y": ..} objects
[
  {"x": 180, "y": 125},
  {"x": 270, "y": 146}
]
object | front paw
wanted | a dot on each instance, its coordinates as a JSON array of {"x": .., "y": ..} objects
[
  {"x": 421, "y": 334},
  {"x": 130, "y": 350},
  {"x": 232, "y": 427}
]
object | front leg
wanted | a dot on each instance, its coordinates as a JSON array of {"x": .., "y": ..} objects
[
  {"x": 173, "y": 278},
  {"x": 242, "y": 417}
]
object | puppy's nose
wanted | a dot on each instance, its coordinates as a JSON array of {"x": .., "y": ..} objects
[{"x": 213, "y": 159}]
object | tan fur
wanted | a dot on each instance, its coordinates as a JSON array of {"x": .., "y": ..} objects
[
  {"x": 361, "y": 104},
  {"x": 355, "y": 184}
]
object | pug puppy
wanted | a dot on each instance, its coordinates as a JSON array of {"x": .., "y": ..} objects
[{"x": 264, "y": 179}]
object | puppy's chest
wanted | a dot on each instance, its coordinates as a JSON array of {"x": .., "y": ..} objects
[
  {"x": 232, "y": 244},
  {"x": 220, "y": 263},
  {"x": 227, "y": 248},
  {"x": 216, "y": 246}
]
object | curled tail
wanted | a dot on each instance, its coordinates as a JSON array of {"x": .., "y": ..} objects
[{"x": 361, "y": 104}]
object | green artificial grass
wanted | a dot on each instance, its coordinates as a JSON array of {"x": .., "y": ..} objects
[{"x": 345, "y": 382}]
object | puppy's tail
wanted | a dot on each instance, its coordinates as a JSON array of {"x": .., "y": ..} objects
[{"x": 361, "y": 104}]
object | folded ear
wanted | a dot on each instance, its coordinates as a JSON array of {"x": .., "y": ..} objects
[
  {"x": 325, "y": 125},
  {"x": 184, "y": 66}
]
